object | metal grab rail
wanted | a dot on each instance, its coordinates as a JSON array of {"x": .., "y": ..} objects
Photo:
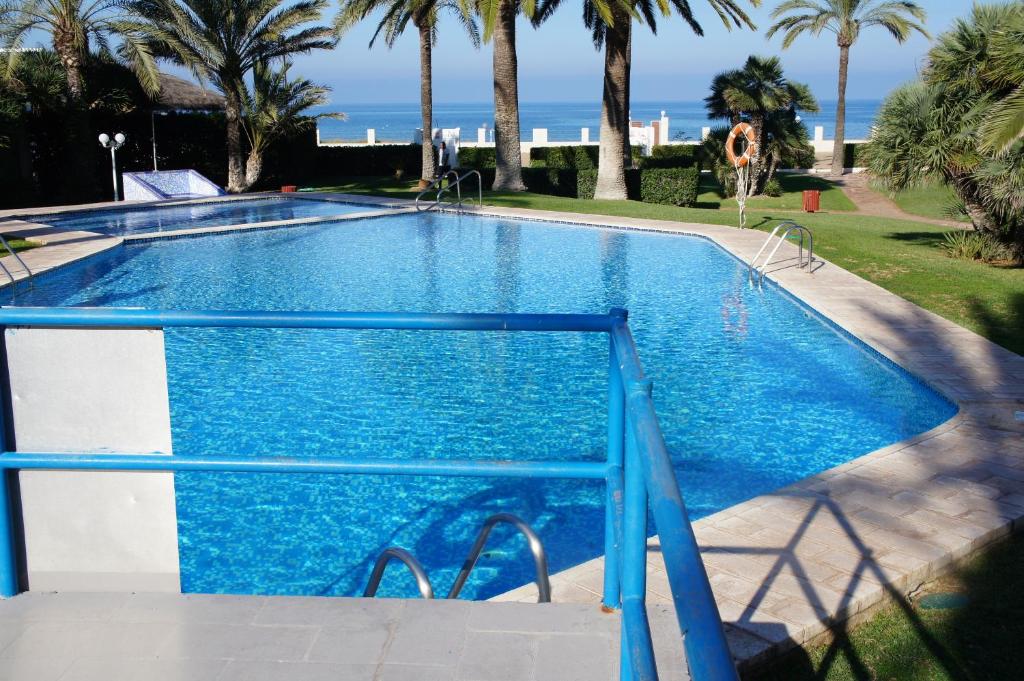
[
  {"x": 540, "y": 559},
  {"x": 394, "y": 553},
  {"x": 458, "y": 186},
  {"x": 638, "y": 472},
  {"x": 760, "y": 270},
  {"x": 436, "y": 184},
  {"x": 17, "y": 257}
]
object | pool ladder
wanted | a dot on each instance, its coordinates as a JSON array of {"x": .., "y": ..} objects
[
  {"x": 457, "y": 183},
  {"x": 788, "y": 228},
  {"x": 21, "y": 262},
  {"x": 540, "y": 561}
]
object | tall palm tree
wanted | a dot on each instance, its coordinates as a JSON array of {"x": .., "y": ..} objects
[
  {"x": 499, "y": 23},
  {"x": 75, "y": 27},
  {"x": 611, "y": 22},
  {"x": 760, "y": 93},
  {"x": 423, "y": 14},
  {"x": 845, "y": 18},
  {"x": 222, "y": 41}
]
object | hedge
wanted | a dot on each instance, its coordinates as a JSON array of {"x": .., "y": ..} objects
[
  {"x": 674, "y": 156},
  {"x": 308, "y": 163},
  {"x": 579, "y": 157},
  {"x": 671, "y": 186},
  {"x": 477, "y": 157}
]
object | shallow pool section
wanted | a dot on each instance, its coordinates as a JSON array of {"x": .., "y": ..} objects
[
  {"x": 143, "y": 220},
  {"x": 753, "y": 391}
]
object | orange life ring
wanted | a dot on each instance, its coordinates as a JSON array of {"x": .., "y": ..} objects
[{"x": 746, "y": 130}]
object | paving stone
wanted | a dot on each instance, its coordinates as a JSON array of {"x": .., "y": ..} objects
[
  {"x": 187, "y": 608},
  {"x": 240, "y": 642},
  {"x": 352, "y": 646},
  {"x": 34, "y": 668},
  {"x": 133, "y": 669},
  {"x": 89, "y": 639},
  {"x": 294, "y": 671},
  {"x": 498, "y": 656},
  {"x": 576, "y": 658},
  {"x": 351, "y": 613}
]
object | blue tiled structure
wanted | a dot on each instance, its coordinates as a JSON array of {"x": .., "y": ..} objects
[{"x": 167, "y": 184}]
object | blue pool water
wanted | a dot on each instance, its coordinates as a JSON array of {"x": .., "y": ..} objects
[
  {"x": 752, "y": 390},
  {"x": 194, "y": 216}
]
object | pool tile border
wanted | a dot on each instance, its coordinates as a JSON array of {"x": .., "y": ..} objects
[{"x": 829, "y": 549}]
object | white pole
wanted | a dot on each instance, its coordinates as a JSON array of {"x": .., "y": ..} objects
[
  {"x": 113, "y": 166},
  {"x": 152, "y": 125}
]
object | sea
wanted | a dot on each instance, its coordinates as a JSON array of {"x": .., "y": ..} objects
[{"x": 563, "y": 120}]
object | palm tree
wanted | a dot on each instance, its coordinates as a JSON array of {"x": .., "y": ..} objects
[
  {"x": 611, "y": 25},
  {"x": 75, "y": 27},
  {"x": 423, "y": 14},
  {"x": 222, "y": 41},
  {"x": 499, "y": 23},
  {"x": 760, "y": 94},
  {"x": 276, "y": 107},
  {"x": 935, "y": 129},
  {"x": 845, "y": 18}
]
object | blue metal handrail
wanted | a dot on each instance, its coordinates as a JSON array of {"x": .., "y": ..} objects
[{"x": 638, "y": 472}]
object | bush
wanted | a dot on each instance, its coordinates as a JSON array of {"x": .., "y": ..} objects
[
  {"x": 578, "y": 157},
  {"x": 312, "y": 162},
  {"x": 670, "y": 186},
  {"x": 477, "y": 157},
  {"x": 965, "y": 245},
  {"x": 674, "y": 156},
  {"x": 773, "y": 188},
  {"x": 799, "y": 159}
]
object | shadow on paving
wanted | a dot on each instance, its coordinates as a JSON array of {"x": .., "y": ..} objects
[{"x": 979, "y": 641}]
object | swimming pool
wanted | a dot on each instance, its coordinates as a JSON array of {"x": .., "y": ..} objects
[
  {"x": 140, "y": 220},
  {"x": 753, "y": 391}
]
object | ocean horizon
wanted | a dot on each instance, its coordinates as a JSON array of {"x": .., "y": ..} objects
[{"x": 397, "y": 122}]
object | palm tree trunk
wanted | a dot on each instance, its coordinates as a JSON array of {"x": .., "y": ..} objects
[
  {"x": 426, "y": 100},
  {"x": 233, "y": 114},
  {"x": 627, "y": 148},
  {"x": 80, "y": 185},
  {"x": 611, "y": 174},
  {"x": 508, "y": 175},
  {"x": 839, "y": 149},
  {"x": 253, "y": 168}
]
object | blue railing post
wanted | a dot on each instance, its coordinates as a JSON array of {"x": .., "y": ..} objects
[
  {"x": 637, "y": 650},
  {"x": 8, "y": 559},
  {"x": 613, "y": 486}
]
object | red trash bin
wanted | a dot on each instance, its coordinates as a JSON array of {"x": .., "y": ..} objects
[
  {"x": 812, "y": 201},
  {"x": 289, "y": 188}
]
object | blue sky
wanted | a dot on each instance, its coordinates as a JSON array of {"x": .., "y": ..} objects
[{"x": 557, "y": 62}]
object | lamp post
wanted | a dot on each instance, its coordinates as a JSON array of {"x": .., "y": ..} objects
[{"x": 113, "y": 145}]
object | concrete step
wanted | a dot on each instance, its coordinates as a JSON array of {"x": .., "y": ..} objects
[{"x": 53, "y": 636}]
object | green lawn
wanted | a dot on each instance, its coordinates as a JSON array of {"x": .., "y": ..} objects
[
  {"x": 832, "y": 198},
  {"x": 20, "y": 244},
  {"x": 905, "y": 642},
  {"x": 930, "y": 202},
  {"x": 901, "y": 256}
]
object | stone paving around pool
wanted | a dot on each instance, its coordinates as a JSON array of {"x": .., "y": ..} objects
[{"x": 827, "y": 550}]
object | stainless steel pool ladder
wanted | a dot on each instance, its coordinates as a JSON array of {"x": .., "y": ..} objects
[
  {"x": 21, "y": 262},
  {"x": 788, "y": 227},
  {"x": 540, "y": 561},
  {"x": 457, "y": 183}
]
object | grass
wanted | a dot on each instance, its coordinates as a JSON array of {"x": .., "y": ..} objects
[
  {"x": 793, "y": 185},
  {"x": 931, "y": 201},
  {"x": 901, "y": 256},
  {"x": 20, "y": 245},
  {"x": 981, "y": 640}
]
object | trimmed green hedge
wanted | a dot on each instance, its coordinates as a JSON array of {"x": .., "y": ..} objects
[
  {"x": 477, "y": 157},
  {"x": 579, "y": 157},
  {"x": 372, "y": 159},
  {"x": 673, "y": 156},
  {"x": 670, "y": 186}
]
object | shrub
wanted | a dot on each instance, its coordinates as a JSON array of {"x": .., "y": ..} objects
[
  {"x": 579, "y": 157},
  {"x": 965, "y": 245},
  {"x": 671, "y": 186},
  {"x": 477, "y": 157},
  {"x": 773, "y": 188},
  {"x": 674, "y": 156}
]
